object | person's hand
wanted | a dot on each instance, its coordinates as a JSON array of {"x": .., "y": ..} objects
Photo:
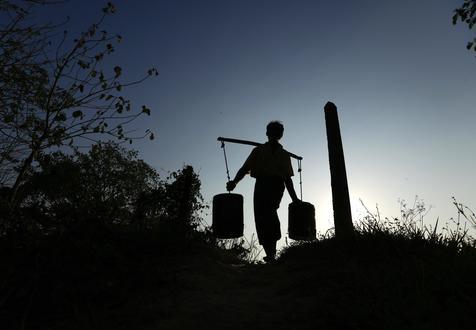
[{"x": 230, "y": 185}]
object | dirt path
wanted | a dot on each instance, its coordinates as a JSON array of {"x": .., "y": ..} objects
[
  {"x": 231, "y": 296},
  {"x": 373, "y": 287}
]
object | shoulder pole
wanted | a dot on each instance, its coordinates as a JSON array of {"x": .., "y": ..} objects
[{"x": 251, "y": 143}]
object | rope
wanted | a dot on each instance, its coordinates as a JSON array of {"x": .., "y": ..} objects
[
  {"x": 300, "y": 176},
  {"x": 226, "y": 161}
]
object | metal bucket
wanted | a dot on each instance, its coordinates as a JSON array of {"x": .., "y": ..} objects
[
  {"x": 227, "y": 215},
  {"x": 301, "y": 221}
]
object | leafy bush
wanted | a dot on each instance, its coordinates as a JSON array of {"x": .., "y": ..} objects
[{"x": 107, "y": 185}]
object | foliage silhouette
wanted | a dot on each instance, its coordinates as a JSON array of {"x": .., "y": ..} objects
[
  {"x": 107, "y": 185},
  {"x": 467, "y": 14},
  {"x": 58, "y": 92}
]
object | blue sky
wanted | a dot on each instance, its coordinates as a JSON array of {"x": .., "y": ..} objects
[{"x": 398, "y": 71}]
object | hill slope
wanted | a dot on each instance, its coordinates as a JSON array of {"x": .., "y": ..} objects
[
  {"x": 369, "y": 285},
  {"x": 122, "y": 281}
]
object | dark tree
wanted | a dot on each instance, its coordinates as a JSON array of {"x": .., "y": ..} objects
[
  {"x": 56, "y": 91},
  {"x": 102, "y": 185},
  {"x": 108, "y": 185}
]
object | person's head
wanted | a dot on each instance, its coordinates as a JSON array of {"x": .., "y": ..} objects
[{"x": 274, "y": 130}]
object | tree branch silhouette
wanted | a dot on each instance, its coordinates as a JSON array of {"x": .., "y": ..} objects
[{"x": 47, "y": 102}]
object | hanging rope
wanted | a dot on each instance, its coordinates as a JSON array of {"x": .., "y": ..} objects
[
  {"x": 300, "y": 176},
  {"x": 226, "y": 161}
]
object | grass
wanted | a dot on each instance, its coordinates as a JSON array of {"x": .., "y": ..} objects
[
  {"x": 386, "y": 282},
  {"x": 95, "y": 277},
  {"x": 395, "y": 274}
]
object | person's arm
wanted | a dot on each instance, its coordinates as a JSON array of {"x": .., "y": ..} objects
[
  {"x": 239, "y": 175},
  {"x": 288, "y": 182},
  {"x": 245, "y": 169}
]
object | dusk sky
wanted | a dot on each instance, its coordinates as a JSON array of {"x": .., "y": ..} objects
[{"x": 398, "y": 71}]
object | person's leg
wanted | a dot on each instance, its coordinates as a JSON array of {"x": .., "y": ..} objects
[
  {"x": 266, "y": 198},
  {"x": 270, "y": 250},
  {"x": 267, "y": 228}
]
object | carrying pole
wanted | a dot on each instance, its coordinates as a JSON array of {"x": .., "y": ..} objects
[{"x": 251, "y": 143}]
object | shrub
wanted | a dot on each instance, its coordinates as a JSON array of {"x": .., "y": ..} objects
[{"x": 107, "y": 185}]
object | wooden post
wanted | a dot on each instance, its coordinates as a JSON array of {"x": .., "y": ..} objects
[{"x": 340, "y": 191}]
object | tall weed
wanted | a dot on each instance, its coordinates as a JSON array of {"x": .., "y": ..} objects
[{"x": 411, "y": 224}]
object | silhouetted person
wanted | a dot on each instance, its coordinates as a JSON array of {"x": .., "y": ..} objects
[{"x": 271, "y": 166}]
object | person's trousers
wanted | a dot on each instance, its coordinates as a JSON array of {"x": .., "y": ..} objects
[{"x": 266, "y": 199}]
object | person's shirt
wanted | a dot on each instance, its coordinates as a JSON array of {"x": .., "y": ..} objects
[{"x": 269, "y": 160}]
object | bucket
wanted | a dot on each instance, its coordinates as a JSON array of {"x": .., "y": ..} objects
[
  {"x": 301, "y": 221},
  {"x": 227, "y": 215}
]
